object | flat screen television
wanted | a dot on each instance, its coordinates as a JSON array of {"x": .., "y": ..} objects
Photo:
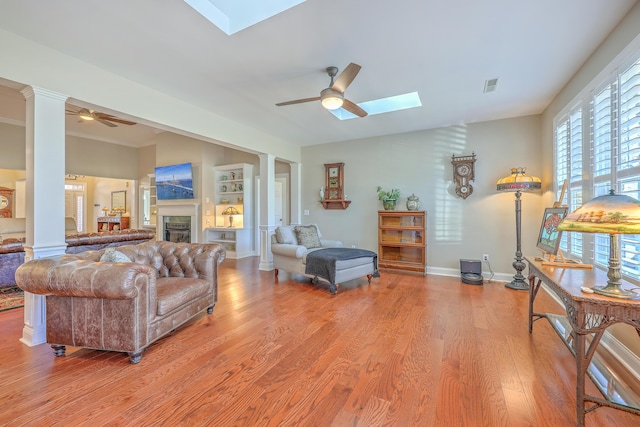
[{"x": 174, "y": 182}]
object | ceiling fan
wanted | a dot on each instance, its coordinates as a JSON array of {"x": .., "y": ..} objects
[
  {"x": 332, "y": 97},
  {"x": 105, "y": 119}
]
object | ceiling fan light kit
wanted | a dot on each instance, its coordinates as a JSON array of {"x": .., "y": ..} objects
[
  {"x": 85, "y": 115},
  {"x": 105, "y": 119},
  {"x": 331, "y": 100}
]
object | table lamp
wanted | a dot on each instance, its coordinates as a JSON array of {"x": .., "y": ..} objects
[
  {"x": 518, "y": 182},
  {"x": 231, "y": 211},
  {"x": 611, "y": 214}
]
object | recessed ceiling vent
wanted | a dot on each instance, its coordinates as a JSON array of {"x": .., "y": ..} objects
[{"x": 490, "y": 85}]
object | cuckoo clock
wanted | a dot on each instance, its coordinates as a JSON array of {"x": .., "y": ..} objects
[{"x": 463, "y": 173}]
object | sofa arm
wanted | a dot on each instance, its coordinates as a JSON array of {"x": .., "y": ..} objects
[
  {"x": 206, "y": 262},
  {"x": 84, "y": 278},
  {"x": 288, "y": 250},
  {"x": 330, "y": 243}
]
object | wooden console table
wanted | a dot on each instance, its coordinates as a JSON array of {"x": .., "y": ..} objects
[
  {"x": 110, "y": 223},
  {"x": 588, "y": 316}
]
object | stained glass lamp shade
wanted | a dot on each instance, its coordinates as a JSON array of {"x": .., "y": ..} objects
[
  {"x": 231, "y": 211},
  {"x": 610, "y": 214}
]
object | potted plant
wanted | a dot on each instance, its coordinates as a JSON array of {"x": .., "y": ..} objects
[{"x": 389, "y": 198}]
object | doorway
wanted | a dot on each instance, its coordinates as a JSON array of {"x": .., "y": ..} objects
[
  {"x": 74, "y": 204},
  {"x": 281, "y": 208}
]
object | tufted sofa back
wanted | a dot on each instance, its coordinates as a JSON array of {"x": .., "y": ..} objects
[{"x": 172, "y": 259}]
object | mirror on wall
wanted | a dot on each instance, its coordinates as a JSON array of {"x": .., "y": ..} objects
[{"x": 119, "y": 201}]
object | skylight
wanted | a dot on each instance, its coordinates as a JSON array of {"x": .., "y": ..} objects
[
  {"x": 232, "y": 16},
  {"x": 382, "y": 105}
]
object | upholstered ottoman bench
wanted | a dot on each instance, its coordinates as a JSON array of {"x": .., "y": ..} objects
[{"x": 338, "y": 265}]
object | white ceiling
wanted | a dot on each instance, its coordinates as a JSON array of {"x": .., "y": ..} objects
[{"x": 443, "y": 49}]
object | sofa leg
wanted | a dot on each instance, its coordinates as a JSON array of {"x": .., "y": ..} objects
[
  {"x": 276, "y": 271},
  {"x": 369, "y": 276},
  {"x": 210, "y": 309},
  {"x": 59, "y": 350},
  {"x": 135, "y": 357}
]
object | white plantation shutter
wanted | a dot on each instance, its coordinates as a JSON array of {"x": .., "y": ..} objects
[
  {"x": 601, "y": 132},
  {"x": 629, "y": 118},
  {"x": 569, "y": 154},
  {"x": 629, "y": 163},
  {"x": 575, "y": 123}
]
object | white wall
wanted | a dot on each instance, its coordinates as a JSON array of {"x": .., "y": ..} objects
[{"x": 420, "y": 163}]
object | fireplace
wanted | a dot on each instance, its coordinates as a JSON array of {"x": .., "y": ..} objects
[
  {"x": 178, "y": 223},
  {"x": 177, "y": 229}
]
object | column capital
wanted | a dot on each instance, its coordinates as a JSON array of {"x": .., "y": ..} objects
[{"x": 31, "y": 91}]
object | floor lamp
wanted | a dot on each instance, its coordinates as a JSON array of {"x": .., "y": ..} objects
[
  {"x": 610, "y": 214},
  {"x": 518, "y": 182}
]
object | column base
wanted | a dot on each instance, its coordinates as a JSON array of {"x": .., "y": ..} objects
[{"x": 266, "y": 257}]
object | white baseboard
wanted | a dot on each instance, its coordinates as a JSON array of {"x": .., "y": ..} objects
[{"x": 452, "y": 272}]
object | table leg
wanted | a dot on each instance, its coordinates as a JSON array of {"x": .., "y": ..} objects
[
  {"x": 581, "y": 368},
  {"x": 532, "y": 280},
  {"x": 534, "y": 286}
]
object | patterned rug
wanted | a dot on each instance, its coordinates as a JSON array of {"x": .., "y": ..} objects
[{"x": 11, "y": 298}]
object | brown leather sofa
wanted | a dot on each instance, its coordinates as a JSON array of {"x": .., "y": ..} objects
[{"x": 123, "y": 306}]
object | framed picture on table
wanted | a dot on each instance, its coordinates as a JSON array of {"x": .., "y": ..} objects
[{"x": 549, "y": 237}]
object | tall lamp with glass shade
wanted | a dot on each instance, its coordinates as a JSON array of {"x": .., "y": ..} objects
[
  {"x": 518, "y": 182},
  {"x": 611, "y": 214}
]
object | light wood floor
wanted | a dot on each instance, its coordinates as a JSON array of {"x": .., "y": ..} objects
[{"x": 403, "y": 351}]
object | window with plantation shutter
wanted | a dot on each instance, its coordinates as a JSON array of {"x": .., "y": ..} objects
[{"x": 606, "y": 158}]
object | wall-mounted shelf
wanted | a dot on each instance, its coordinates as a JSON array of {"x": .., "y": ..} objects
[{"x": 335, "y": 204}]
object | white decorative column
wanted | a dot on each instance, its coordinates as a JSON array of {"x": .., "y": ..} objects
[
  {"x": 267, "y": 209},
  {"x": 296, "y": 192},
  {"x": 45, "y": 143}
]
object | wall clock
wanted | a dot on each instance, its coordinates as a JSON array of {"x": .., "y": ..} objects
[
  {"x": 334, "y": 187},
  {"x": 463, "y": 173},
  {"x": 6, "y": 202}
]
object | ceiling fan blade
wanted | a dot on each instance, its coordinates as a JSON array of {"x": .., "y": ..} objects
[
  {"x": 346, "y": 77},
  {"x": 354, "y": 108},
  {"x": 112, "y": 119},
  {"x": 104, "y": 122},
  {"x": 298, "y": 101}
]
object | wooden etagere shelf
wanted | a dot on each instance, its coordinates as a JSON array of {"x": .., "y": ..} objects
[{"x": 402, "y": 240}]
